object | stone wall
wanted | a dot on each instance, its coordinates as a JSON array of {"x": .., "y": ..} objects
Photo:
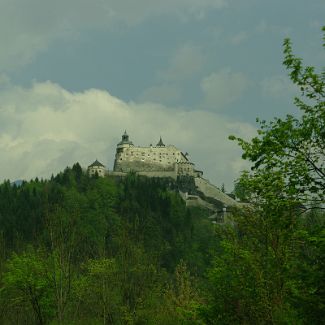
[
  {"x": 171, "y": 174},
  {"x": 138, "y": 166},
  {"x": 152, "y": 159},
  {"x": 209, "y": 190},
  {"x": 101, "y": 171},
  {"x": 160, "y": 174},
  {"x": 166, "y": 156}
]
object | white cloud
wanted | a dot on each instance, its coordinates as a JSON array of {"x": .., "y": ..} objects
[
  {"x": 223, "y": 88},
  {"x": 45, "y": 128}
]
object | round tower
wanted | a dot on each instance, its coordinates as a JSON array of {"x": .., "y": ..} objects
[
  {"x": 121, "y": 146},
  {"x": 125, "y": 142}
]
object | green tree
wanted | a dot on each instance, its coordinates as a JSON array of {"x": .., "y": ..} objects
[
  {"x": 251, "y": 275},
  {"x": 26, "y": 280},
  {"x": 295, "y": 146},
  {"x": 240, "y": 191},
  {"x": 255, "y": 277},
  {"x": 182, "y": 297},
  {"x": 99, "y": 291}
]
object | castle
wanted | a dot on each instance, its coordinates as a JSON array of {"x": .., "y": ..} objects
[
  {"x": 153, "y": 161},
  {"x": 162, "y": 161},
  {"x": 156, "y": 161}
]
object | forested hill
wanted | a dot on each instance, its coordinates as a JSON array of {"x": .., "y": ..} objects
[{"x": 86, "y": 249}]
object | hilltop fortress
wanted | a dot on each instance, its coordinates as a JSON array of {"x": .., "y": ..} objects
[
  {"x": 164, "y": 161},
  {"x": 155, "y": 161}
]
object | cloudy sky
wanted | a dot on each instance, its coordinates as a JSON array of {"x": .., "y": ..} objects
[{"x": 74, "y": 74}]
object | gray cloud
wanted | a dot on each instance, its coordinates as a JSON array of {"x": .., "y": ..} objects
[
  {"x": 223, "y": 88},
  {"x": 163, "y": 93},
  {"x": 239, "y": 38},
  {"x": 278, "y": 86},
  {"x": 184, "y": 64},
  {"x": 43, "y": 139},
  {"x": 28, "y": 27}
]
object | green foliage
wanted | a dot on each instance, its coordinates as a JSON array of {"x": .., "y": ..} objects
[
  {"x": 27, "y": 285},
  {"x": 182, "y": 297},
  {"x": 252, "y": 272},
  {"x": 270, "y": 265},
  {"x": 294, "y": 146},
  {"x": 101, "y": 250},
  {"x": 100, "y": 284}
]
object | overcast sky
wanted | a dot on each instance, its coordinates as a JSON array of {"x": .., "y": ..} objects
[{"x": 74, "y": 74}]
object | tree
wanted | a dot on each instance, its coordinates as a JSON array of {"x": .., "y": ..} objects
[
  {"x": 294, "y": 147},
  {"x": 182, "y": 297},
  {"x": 26, "y": 280},
  {"x": 99, "y": 290},
  {"x": 256, "y": 276}
]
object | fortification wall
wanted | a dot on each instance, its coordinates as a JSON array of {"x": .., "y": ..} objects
[
  {"x": 196, "y": 201},
  {"x": 162, "y": 174},
  {"x": 210, "y": 190},
  {"x": 171, "y": 174},
  {"x": 139, "y": 166}
]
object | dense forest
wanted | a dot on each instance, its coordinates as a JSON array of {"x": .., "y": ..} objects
[
  {"x": 88, "y": 250},
  {"x": 76, "y": 249}
]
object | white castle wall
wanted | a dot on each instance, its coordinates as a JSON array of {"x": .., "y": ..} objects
[
  {"x": 101, "y": 171},
  {"x": 157, "y": 155},
  {"x": 152, "y": 159}
]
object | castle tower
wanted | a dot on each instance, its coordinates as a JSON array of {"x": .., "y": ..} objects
[
  {"x": 122, "y": 146},
  {"x": 97, "y": 167},
  {"x": 160, "y": 143},
  {"x": 125, "y": 139}
]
